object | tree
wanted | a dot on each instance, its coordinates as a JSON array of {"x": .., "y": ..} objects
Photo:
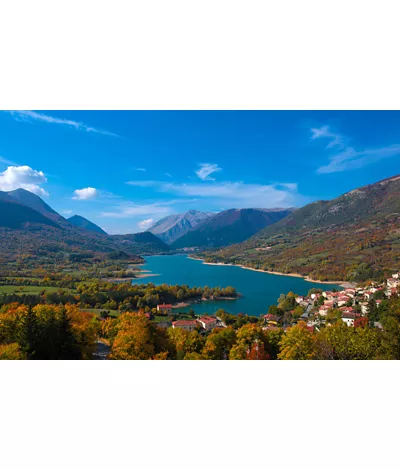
[
  {"x": 219, "y": 343},
  {"x": 297, "y": 343},
  {"x": 134, "y": 339},
  {"x": 251, "y": 343}
]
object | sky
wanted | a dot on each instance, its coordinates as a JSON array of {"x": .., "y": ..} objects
[{"x": 124, "y": 170}]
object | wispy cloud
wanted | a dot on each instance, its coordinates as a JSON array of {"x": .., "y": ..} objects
[
  {"x": 324, "y": 132},
  {"x": 145, "y": 224},
  {"x": 139, "y": 169},
  {"x": 15, "y": 177},
  {"x": 349, "y": 158},
  {"x": 5, "y": 161},
  {"x": 85, "y": 194},
  {"x": 206, "y": 169},
  {"x": 129, "y": 210},
  {"x": 240, "y": 195},
  {"x": 144, "y": 183},
  {"x": 31, "y": 116},
  {"x": 67, "y": 212}
]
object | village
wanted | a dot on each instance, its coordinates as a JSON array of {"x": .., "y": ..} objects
[{"x": 351, "y": 305}]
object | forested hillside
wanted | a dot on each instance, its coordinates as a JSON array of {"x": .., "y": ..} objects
[{"x": 352, "y": 237}]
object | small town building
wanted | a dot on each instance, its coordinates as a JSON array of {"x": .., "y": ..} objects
[
  {"x": 207, "y": 323},
  {"x": 188, "y": 325},
  {"x": 349, "y": 318},
  {"x": 164, "y": 309}
]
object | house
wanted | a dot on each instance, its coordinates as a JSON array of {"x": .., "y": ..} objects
[
  {"x": 164, "y": 309},
  {"x": 323, "y": 310},
  {"x": 342, "y": 300},
  {"x": 188, "y": 325},
  {"x": 346, "y": 310},
  {"x": 393, "y": 282},
  {"x": 299, "y": 299},
  {"x": 349, "y": 318},
  {"x": 364, "y": 308},
  {"x": 271, "y": 318},
  {"x": 392, "y": 291},
  {"x": 350, "y": 292},
  {"x": 396, "y": 275},
  {"x": 208, "y": 323}
]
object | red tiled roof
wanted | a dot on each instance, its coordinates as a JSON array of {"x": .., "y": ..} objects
[
  {"x": 185, "y": 323},
  {"x": 164, "y": 306},
  {"x": 207, "y": 319}
]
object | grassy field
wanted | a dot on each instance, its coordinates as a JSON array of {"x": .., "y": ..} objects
[
  {"x": 97, "y": 311},
  {"x": 30, "y": 289}
]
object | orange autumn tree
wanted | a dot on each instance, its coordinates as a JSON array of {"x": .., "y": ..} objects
[
  {"x": 47, "y": 332},
  {"x": 134, "y": 339}
]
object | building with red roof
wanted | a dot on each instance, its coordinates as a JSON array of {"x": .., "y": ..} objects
[
  {"x": 188, "y": 325},
  {"x": 208, "y": 323},
  {"x": 164, "y": 309}
]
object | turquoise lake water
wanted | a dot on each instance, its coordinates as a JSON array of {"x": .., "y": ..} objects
[{"x": 259, "y": 290}]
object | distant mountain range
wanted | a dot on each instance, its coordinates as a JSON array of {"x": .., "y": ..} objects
[
  {"x": 354, "y": 237},
  {"x": 231, "y": 226},
  {"x": 81, "y": 222},
  {"x": 170, "y": 228},
  {"x": 29, "y": 226}
]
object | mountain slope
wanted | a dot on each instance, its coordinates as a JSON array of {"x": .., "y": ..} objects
[
  {"x": 14, "y": 215},
  {"x": 231, "y": 226},
  {"x": 352, "y": 237},
  {"x": 175, "y": 226},
  {"x": 85, "y": 224},
  {"x": 26, "y": 231},
  {"x": 147, "y": 240},
  {"x": 35, "y": 202}
]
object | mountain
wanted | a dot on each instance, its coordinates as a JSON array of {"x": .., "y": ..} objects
[
  {"x": 35, "y": 202},
  {"x": 42, "y": 233},
  {"x": 145, "y": 239},
  {"x": 354, "y": 237},
  {"x": 175, "y": 226},
  {"x": 231, "y": 226},
  {"x": 85, "y": 224},
  {"x": 16, "y": 216}
]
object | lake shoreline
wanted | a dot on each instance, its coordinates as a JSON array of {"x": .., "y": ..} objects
[{"x": 344, "y": 284}]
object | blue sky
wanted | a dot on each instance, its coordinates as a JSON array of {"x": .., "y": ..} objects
[{"x": 124, "y": 170}]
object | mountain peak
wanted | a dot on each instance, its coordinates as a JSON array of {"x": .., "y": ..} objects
[{"x": 85, "y": 224}]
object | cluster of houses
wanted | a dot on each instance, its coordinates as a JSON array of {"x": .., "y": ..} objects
[
  {"x": 317, "y": 304},
  {"x": 206, "y": 323},
  {"x": 346, "y": 300}
]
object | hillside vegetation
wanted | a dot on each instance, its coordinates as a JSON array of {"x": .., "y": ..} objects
[{"x": 353, "y": 237}]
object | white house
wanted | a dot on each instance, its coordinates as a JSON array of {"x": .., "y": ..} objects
[
  {"x": 208, "y": 323},
  {"x": 348, "y": 318},
  {"x": 164, "y": 309},
  {"x": 188, "y": 325}
]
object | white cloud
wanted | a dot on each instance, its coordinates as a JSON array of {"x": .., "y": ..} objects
[
  {"x": 145, "y": 224},
  {"x": 24, "y": 177},
  {"x": 29, "y": 116},
  {"x": 349, "y": 158},
  {"x": 242, "y": 195},
  {"x": 168, "y": 174},
  {"x": 206, "y": 169},
  {"x": 139, "y": 169},
  {"x": 67, "y": 212},
  {"x": 131, "y": 210},
  {"x": 85, "y": 194}
]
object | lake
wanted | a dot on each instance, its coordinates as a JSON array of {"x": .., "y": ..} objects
[{"x": 259, "y": 290}]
